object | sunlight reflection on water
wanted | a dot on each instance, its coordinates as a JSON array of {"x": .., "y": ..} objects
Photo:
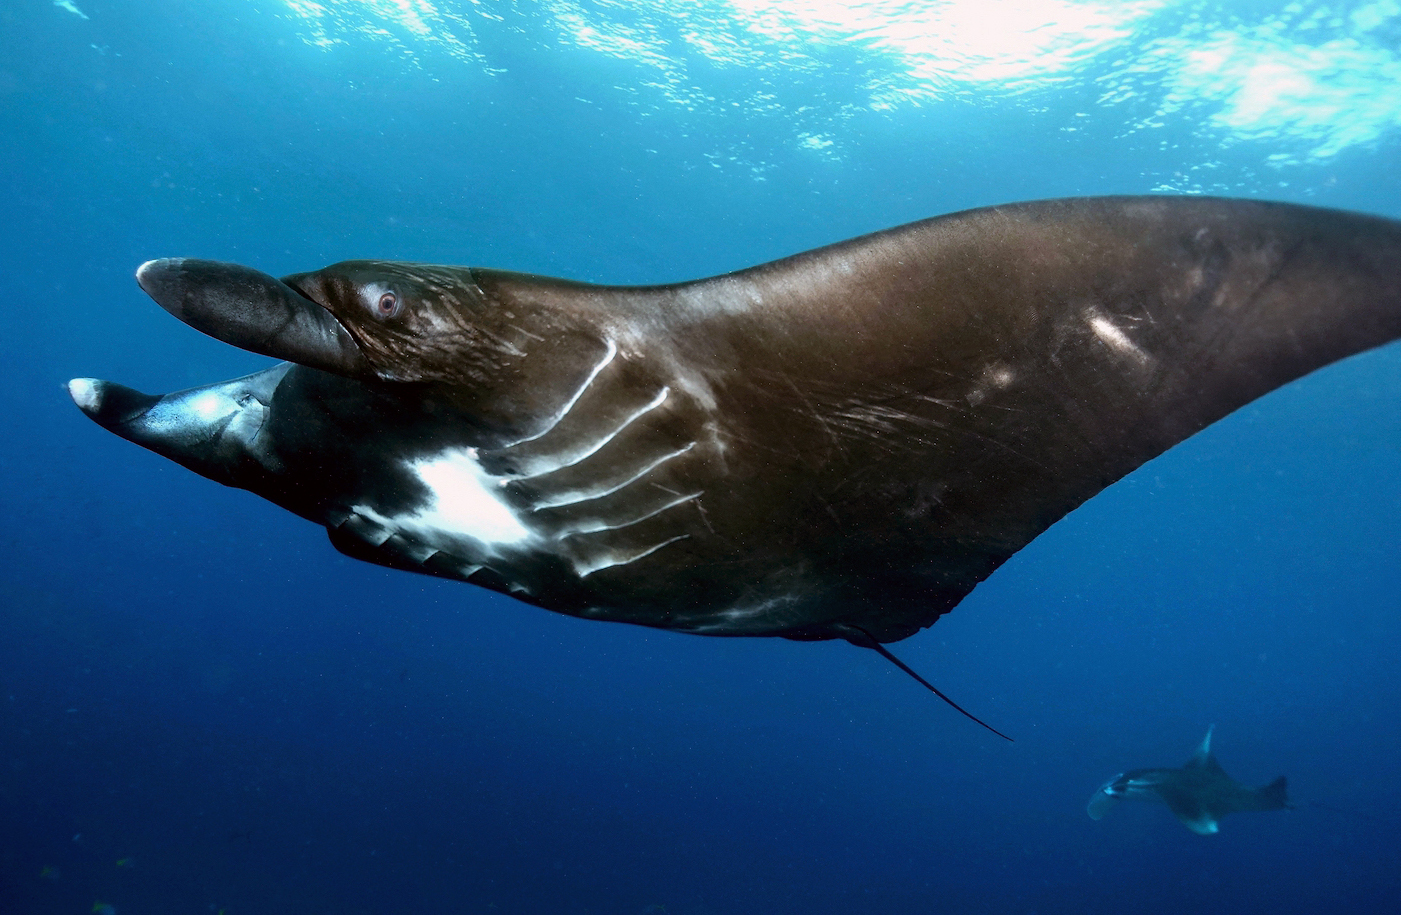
[{"x": 1324, "y": 78}]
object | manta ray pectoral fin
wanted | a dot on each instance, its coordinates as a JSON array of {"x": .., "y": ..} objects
[
  {"x": 1202, "y": 826},
  {"x": 1103, "y": 800},
  {"x": 1187, "y": 806},
  {"x": 1203, "y": 755},
  {"x": 863, "y": 639}
]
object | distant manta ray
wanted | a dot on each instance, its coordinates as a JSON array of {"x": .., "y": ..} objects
[
  {"x": 70, "y": 7},
  {"x": 837, "y": 445},
  {"x": 1199, "y": 794}
]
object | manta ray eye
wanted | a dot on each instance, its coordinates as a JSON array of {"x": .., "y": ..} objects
[{"x": 388, "y": 305}]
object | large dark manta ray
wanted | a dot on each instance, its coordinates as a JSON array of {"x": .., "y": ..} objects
[{"x": 839, "y": 444}]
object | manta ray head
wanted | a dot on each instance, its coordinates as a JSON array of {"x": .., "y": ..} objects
[
  {"x": 508, "y": 360},
  {"x": 418, "y": 323},
  {"x": 511, "y": 361}
]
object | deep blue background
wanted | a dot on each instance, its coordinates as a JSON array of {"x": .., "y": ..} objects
[{"x": 193, "y": 682}]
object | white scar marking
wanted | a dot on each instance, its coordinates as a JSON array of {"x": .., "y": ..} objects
[
  {"x": 463, "y": 504},
  {"x": 587, "y": 569},
  {"x": 569, "y": 404},
  {"x": 1116, "y": 339},
  {"x": 761, "y": 608},
  {"x": 572, "y": 459},
  {"x": 579, "y": 495},
  {"x": 750, "y": 611},
  {"x": 597, "y": 527}
]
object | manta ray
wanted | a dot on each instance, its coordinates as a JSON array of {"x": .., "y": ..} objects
[
  {"x": 839, "y": 444},
  {"x": 1199, "y": 794}
]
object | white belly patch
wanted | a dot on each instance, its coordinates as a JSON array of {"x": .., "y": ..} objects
[
  {"x": 465, "y": 504},
  {"x": 466, "y": 500}
]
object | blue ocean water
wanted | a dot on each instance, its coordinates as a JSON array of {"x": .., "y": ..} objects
[{"x": 204, "y": 708}]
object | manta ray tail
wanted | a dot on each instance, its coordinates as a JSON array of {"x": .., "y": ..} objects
[{"x": 864, "y": 639}]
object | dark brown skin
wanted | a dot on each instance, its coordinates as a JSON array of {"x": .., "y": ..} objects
[{"x": 872, "y": 427}]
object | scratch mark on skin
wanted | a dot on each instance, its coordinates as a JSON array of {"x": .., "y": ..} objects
[
  {"x": 741, "y": 612},
  {"x": 576, "y": 497},
  {"x": 705, "y": 516},
  {"x": 527, "y": 334},
  {"x": 598, "y": 528},
  {"x": 569, "y": 405},
  {"x": 651, "y": 405},
  {"x": 816, "y": 414},
  {"x": 867, "y": 419},
  {"x": 1113, "y": 337},
  {"x": 586, "y": 570}
]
